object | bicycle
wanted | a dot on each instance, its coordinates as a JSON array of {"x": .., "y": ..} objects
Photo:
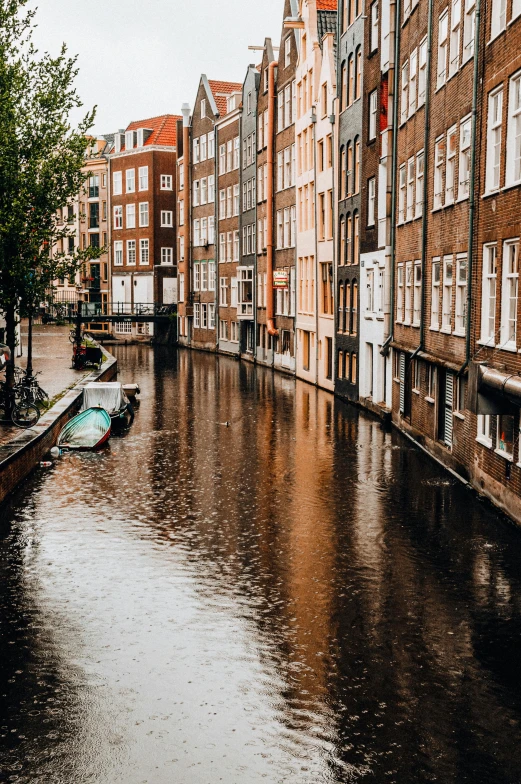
[
  {"x": 32, "y": 391},
  {"x": 73, "y": 335},
  {"x": 20, "y": 412}
]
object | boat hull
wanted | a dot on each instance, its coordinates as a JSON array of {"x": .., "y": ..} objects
[{"x": 86, "y": 431}]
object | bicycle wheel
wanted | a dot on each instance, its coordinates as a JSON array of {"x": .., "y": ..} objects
[
  {"x": 25, "y": 415},
  {"x": 41, "y": 395}
]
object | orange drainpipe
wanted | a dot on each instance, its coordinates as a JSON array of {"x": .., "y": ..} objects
[
  {"x": 272, "y": 330},
  {"x": 187, "y": 196}
]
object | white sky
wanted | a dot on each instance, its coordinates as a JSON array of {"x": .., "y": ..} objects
[{"x": 142, "y": 59}]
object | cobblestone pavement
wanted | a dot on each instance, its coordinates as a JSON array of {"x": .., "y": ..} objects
[{"x": 52, "y": 354}]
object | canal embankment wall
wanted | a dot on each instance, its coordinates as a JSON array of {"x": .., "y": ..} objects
[{"x": 23, "y": 453}]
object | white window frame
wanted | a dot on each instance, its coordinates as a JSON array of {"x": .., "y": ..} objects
[
  {"x": 513, "y": 154},
  {"x": 409, "y": 272},
  {"x": 167, "y": 256},
  {"x": 413, "y": 82},
  {"x": 446, "y": 300},
  {"x": 489, "y": 294},
  {"x": 494, "y": 136},
  {"x": 144, "y": 252},
  {"x": 167, "y": 219},
  {"x": 131, "y": 253},
  {"x": 118, "y": 253},
  {"x": 117, "y": 183},
  {"x": 404, "y": 92},
  {"x": 411, "y": 176},
  {"x": 143, "y": 214},
  {"x": 417, "y": 294},
  {"x": 422, "y": 71},
  {"x": 455, "y": 37},
  {"x": 439, "y": 163},
  {"x": 509, "y": 294},
  {"x": 435, "y": 293},
  {"x": 373, "y": 114},
  {"x": 130, "y": 216},
  {"x": 420, "y": 174},
  {"x": 469, "y": 30},
  {"x": 484, "y": 430},
  {"x": 461, "y": 294},
  {"x": 371, "y": 201},
  {"x": 450, "y": 165},
  {"x": 143, "y": 178},
  {"x": 374, "y": 32},
  {"x": 498, "y": 18},
  {"x": 118, "y": 217},
  {"x": 130, "y": 181},
  {"x": 443, "y": 32},
  {"x": 401, "y": 193},
  {"x": 166, "y": 181},
  {"x": 464, "y": 159}
]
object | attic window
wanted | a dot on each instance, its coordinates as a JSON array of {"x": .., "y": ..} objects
[
  {"x": 231, "y": 103},
  {"x": 265, "y": 80},
  {"x": 203, "y": 108},
  {"x": 129, "y": 140},
  {"x": 142, "y": 135}
]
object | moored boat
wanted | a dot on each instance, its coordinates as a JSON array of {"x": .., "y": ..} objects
[
  {"x": 88, "y": 430},
  {"x": 110, "y": 396}
]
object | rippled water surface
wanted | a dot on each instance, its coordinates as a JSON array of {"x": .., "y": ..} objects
[{"x": 255, "y": 584}]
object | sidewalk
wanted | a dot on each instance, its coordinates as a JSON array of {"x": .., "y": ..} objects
[{"x": 52, "y": 353}]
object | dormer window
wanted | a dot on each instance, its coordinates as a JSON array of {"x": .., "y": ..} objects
[
  {"x": 129, "y": 140},
  {"x": 142, "y": 135},
  {"x": 203, "y": 108},
  {"x": 231, "y": 103},
  {"x": 117, "y": 142}
]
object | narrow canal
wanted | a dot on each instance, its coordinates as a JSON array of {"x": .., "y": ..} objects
[{"x": 295, "y": 596}]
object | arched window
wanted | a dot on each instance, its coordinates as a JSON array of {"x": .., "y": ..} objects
[
  {"x": 342, "y": 244},
  {"x": 340, "y": 327},
  {"x": 353, "y": 368},
  {"x": 343, "y": 87},
  {"x": 358, "y": 73},
  {"x": 350, "y": 80},
  {"x": 356, "y": 164},
  {"x": 342, "y": 172},
  {"x": 340, "y": 369},
  {"x": 347, "y": 366},
  {"x": 349, "y": 173},
  {"x": 347, "y": 308},
  {"x": 349, "y": 239},
  {"x": 356, "y": 238},
  {"x": 354, "y": 307}
]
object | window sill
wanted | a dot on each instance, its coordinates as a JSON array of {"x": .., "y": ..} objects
[
  {"x": 434, "y": 329},
  {"x": 506, "y": 347},
  {"x": 511, "y": 185},
  {"x": 415, "y": 324},
  {"x": 494, "y": 192},
  {"x": 430, "y": 400},
  {"x": 396, "y": 380},
  {"x": 446, "y": 330},
  {"x": 458, "y": 415},
  {"x": 484, "y": 442},
  {"x": 514, "y": 19},
  {"x": 416, "y": 392},
  {"x": 461, "y": 198},
  {"x": 437, "y": 209},
  {"x": 368, "y": 316},
  {"x": 498, "y": 35},
  {"x": 486, "y": 343},
  {"x": 458, "y": 334},
  {"x": 504, "y": 455}
]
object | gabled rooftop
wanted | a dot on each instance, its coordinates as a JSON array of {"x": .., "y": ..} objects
[{"x": 220, "y": 92}]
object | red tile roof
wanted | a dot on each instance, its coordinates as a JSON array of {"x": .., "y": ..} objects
[
  {"x": 163, "y": 129},
  {"x": 327, "y": 5},
  {"x": 220, "y": 91}
]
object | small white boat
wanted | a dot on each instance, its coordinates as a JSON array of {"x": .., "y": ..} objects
[
  {"x": 111, "y": 396},
  {"x": 131, "y": 390}
]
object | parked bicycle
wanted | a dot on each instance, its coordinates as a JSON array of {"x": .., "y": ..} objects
[
  {"x": 13, "y": 408},
  {"x": 28, "y": 389}
]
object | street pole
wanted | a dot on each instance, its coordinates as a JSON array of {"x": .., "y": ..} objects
[{"x": 29, "y": 368}]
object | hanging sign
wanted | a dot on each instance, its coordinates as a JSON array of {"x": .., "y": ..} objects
[{"x": 280, "y": 279}]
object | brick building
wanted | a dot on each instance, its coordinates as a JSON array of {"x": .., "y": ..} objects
[
  {"x": 143, "y": 219},
  {"x": 230, "y": 302},
  {"x": 350, "y": 162}
]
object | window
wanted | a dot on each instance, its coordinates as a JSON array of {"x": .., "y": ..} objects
[
  {"x": 181, "y": 178},
  {"x": 371, "y": 201},
  {"x": 166, "y": 181},
  {"x": 413, "y": 81},
  {"x": 222, "y": 159},
  {"x": 143, "y": 178},
  {"x": 197, "y": 276},
  {"x": 144, "y": 257},
  {"x": 488, "y": 297},
  {"x": 211, "y": 144},
  {"x": 203, "y": 147},
  {"x": 167, "y": 218},
  {"x": 167, "y": 255},
  {"x": 461, "y": 294},
  {"x": 287, "y": 52},
  {"x": 464, "y": 159},
  {"x": 447, "y": 294},
  {"x": 117, "y": 186},
  {"x": 442, "y": 48},
  {"x": 211, "y": 189},
  {"x": 400, "y": 295},
  {"x": 181, "y": 213},
  {"x": 223, "y": 330},
  {"x": 419, "y": 184},
  {"x": 196, "y": 187},
  {"x": 513, "y": 163},
  {"x": 422, "y": 72},
  {"x": 222, "y": 247},
  {"x": 439, "y": 160},
  {"x": 370, "y": 291},
  {"x": 435, "y": 297},
  {"x": 373, "y": 114},
  {"x": 401, "y": 194},
  {"x": 222, "y": 204},
  {"x": 197, "y": 315},
  {"x": 356, "y": 238},
  {"x": 236, "y": 199},
  {"x": 450, "y": 166},
  {"x": 350, "y": 80},
  {"x": 357, "y": 166},
  {"x": 131, "y": 216},
  {"x": 404, "y": 92},
  {"x": 493, "y": 159},
  {"x": 469, "y": 28},
  {"x": 411, "y": 173},
  {"x": 229, "y": 155},
  {"x": 131, "y": 180},
  {"x": 358, "y": 74},
  {"x": 118, "y": 253},
  {"x": 484, "y": 434},
  {"x": 505, "y": 436},
  {"x": 203, "y": 195},
  {"x": 408, "y": 292},
  {"x": 204, "y": 276},
  {"x": 455, "y": 32},
  {"x": 196, "y": 151},
  {"x": 244, "y": 282},
  {"x": 118, "y": 217},
  {"x": 143, "y": 213},
  {"x": 211, "y": 276},
  {"x": 211, "y": 230},
  {"x": 223, "y": 292},
  {"x": 374, "y": 27},
  {"x": 509, "y": 294},
  {"x": 417, "y": 294},
  {"x": 236, "y": 152}
]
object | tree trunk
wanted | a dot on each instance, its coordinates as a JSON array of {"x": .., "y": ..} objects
[{"x": 10, "y": 331}]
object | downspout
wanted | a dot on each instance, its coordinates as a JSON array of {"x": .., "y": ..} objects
[
  {"x": 314, "y": 124},
  {"x": 425, "y": 191},
  {"x": 394, "y": 168},
  {"x": 472, "y": 195},
  {"x": 272, "y": 330},
  {"x": 334, "y": 259},
  {"x": 187, "y": 197},
  {"x": 215, "y": 234}
]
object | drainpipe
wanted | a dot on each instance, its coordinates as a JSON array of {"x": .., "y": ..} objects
[
  {"x": 394, "y": 167},
  {"x": 272, "y": 330},
  {"x": 427, "y": 128},
  {"x": 472, "y": 195},
  {"x": 215, "y": 235},
  {"x": 332, "y": 119},
  {"x": 185, "y": 109},
  {"x": 314, "y": 124}
]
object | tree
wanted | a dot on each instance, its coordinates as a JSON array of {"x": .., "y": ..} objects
[{"x": 41, "y": 160}]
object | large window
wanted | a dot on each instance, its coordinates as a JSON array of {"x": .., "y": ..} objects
[
  {"x": 447, "y": 294},
  {"x": 143, "y": 213},
  {"x": 488, "y": 297},
  {"x": 461, "y": 294},
  {"x": 374, "y": 27},
  {"x": 450, "y": 166},
  {"x": 469, "y": 29},
  {"x": 509, "y": 294},
  {"x": 464, "y": 159},
  {"x": 373, "y": 114},
  {"x": 131, "y": 252},
  {"x": 371, "y": 201},
  {"x": 439, "y": 161},
  {"x": 455, "y": 36},
  {"x": 143, "y": 178},
  {"x": 443, "y": 27},
  {"x": 118, "y": 253},
  {"x": 435, "y": 294},
  {"x": 417, "y": 294},
  {"x": 131, "y": 180},
  {"x": 498, "y": 17},
  {"x": 419, "y": 184},
  {"x": 408, "y": 292},
  {"x": 513, "y": 162},
  {"x": 494, "y": 122},
  {"x": 117, "y": 183},
  {"x": 144, "y": 252}
]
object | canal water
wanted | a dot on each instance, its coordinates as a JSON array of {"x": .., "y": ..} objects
[{"x": 255, "y": 584}]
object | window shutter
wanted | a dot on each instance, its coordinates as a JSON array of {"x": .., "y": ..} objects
[{"x": 449, "y": 404}]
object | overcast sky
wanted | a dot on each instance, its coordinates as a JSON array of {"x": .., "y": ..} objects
[{"x": 142, "y": 59}]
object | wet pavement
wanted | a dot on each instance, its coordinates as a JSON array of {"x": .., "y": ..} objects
[{"x": 255, "y": 584}]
